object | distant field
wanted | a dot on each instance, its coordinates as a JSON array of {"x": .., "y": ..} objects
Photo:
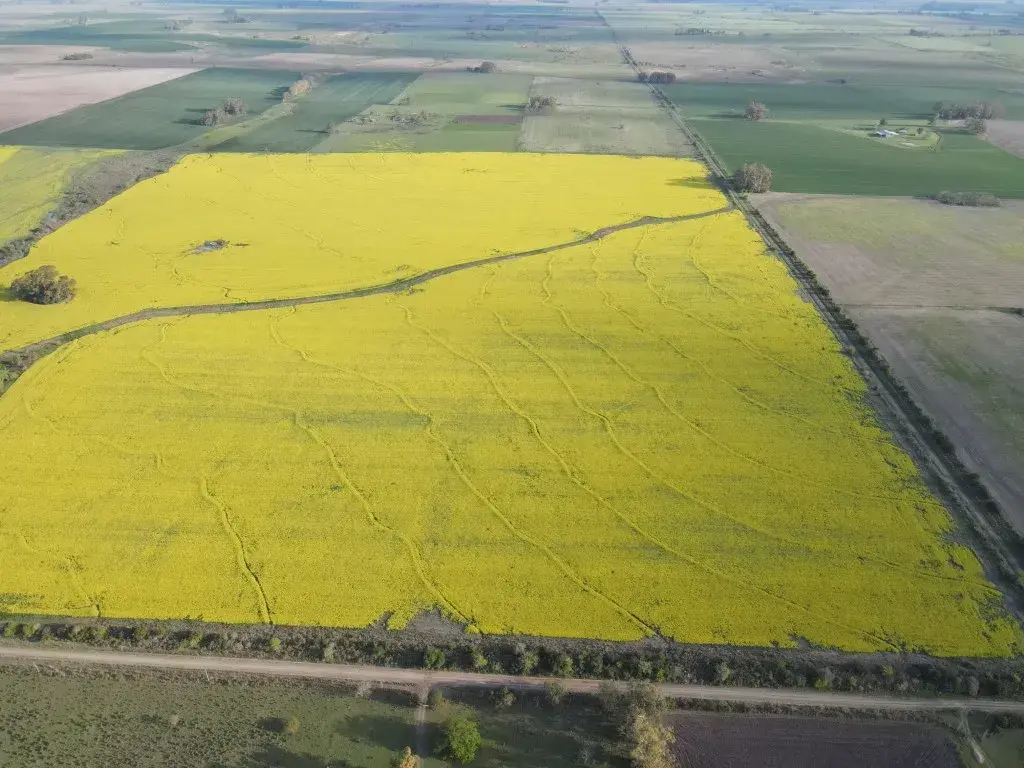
[
  {"x": 31, "y": 181},
  {"x": 811, "y": 101},
  {"x": 139, "y": 36},
  {"x": 601, "y": 116},
  {"x": 32, "y": 93},
  {"x": 305, "y": 126},
  {"x": 664, "y": 393},
  {"x": 465, "y": 112},
  {"x": 932, "y": 287},
  {"x": 809, "y": 158},
  {"x": 156, "y": 117}
]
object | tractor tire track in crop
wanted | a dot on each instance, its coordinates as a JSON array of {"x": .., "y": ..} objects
[
  {"x": 628, "y": 521},
  {"x": 263, "y": 606},
  {"x": 608, "y": 302},
  {"x": 393, "y": 287},
  {"x": 610, "y": 430},
  {"x": 417, "y": 561},
  {"x": 654, "y": 388},
  {"x": 566, "y": 569}
]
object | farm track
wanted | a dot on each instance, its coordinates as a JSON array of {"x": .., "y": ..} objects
[
  {"x": 41, "y": 348},
  {"x": 428, "y": 678},
  {"x": 990, "y": 532}
]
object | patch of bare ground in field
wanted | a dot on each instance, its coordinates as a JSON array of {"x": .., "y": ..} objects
[
  {"x": 711, "y": 740},
  {"x": 34, "y": 92},
  {"x": 1007, "y": 134},
  {"x": 939, "y": 291}
]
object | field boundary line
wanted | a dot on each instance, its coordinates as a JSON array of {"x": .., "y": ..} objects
[
  {"x": 421, "y": 677},
  {"x": 999, "y": 548}
]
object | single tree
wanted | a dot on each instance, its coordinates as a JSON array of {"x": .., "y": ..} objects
[
  {"x": 883, "y": 122},
  {"x": 752, "y": 177},
  {"x": 460, "y": 740},
  {"x": 44, "y": 285},
  {"x": 756, "y": 111},
  {"x": 290, "y": 726}
]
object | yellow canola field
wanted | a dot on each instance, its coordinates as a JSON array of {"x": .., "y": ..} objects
[
  {"x": 648, "y": 433},
  {"x": 302, "y": 225},
  {"x": 31, "y": 181}
]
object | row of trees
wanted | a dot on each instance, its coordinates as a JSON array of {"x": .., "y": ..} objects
[
  {"x": 984, "y": 110},
  {"x": 657, "y": 78}
]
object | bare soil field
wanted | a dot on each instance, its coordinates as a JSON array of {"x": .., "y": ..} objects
[
  {"x": 966, "y": 366},
  {"x": 1007, "y": 134},
  {"x": 35, "y": 92},
  {"x": 765, "y": 741},
  {"x": 939, "y": 291},
  {"x": 602, "y": 116}
]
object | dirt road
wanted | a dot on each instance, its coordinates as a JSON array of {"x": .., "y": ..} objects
[{"x": 428, "y": 678}]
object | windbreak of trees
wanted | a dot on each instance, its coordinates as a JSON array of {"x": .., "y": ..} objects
[
  {"x": 657, "y": 78},
  {"x": 968, "y": 199},
  {"x": 983, "y": 110}
]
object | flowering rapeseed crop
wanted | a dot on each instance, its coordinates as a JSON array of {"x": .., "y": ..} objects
[
  {"x": 300, "y": 225},
  {"x": 652, "y": 432},
  {"x": 31, "y": 181}
]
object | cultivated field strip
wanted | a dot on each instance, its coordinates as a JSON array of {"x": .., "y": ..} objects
[{"x": 594, "y": 441}]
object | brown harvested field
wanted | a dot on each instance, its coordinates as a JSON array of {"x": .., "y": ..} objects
[
  {"x": 1007, "y": 134},
  {"x": 968, "y": 365},
  {"x": 32, "y": 93},
  {"x": 705, "y": 740},
  {"x": 935, "y": 288}
]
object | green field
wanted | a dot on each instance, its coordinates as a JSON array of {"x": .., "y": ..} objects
[
  {"x": 444, "y": 97},
  {"x": 335, "y": 101},
  {"x": 815, "y": 101},
  {"x": 160, "y": 116},
  {"x": 141, "y": 36},
  {"x": 88, "y": 718},
  {"x": 810, "y": 158}
]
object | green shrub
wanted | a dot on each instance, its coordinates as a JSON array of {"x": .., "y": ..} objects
[
  {"x": 460, "y": 740},
  {"x": 555, "y": 693},
  {"x": 433, "y": 658}
]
